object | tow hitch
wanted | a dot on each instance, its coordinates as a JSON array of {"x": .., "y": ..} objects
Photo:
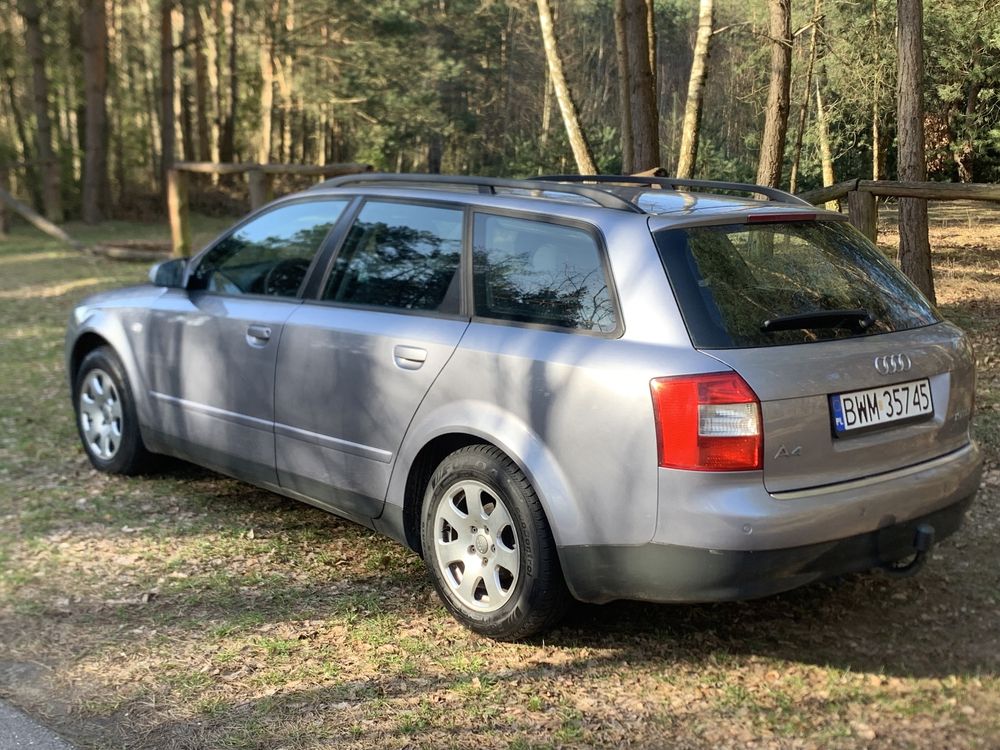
[{"x": 923, "y": 540}]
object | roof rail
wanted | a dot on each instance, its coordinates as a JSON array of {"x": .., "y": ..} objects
[
  {"x": 487, "y": 185},
  {"x": 673, "y": 183}
]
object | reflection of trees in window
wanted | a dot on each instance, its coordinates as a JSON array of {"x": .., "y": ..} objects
[
  {"x": 394, "y": 266},
  {"x": 809, "y": 267},
  {"x": 570, "y": 296},
  {"x": 246, "y": 261},
  {"x": 271, "y": 253}
]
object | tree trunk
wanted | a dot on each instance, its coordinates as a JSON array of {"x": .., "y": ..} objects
[
  {"x": 577, "y": 141},
  {"x": 772, "y": 144},
  {"x": 651, "y": 44},
  {"x": 185, "y": 95},
  {"x": 120, "y": 83},
  {"x": 878, "y": 144},
  {"x": 878, "y": 132},
  {"x": 435, "y": 151},
  {"x": 625, "y": 110},
  {"x": 20, "y": 129},
  {"x": 29, "y": 215},
  {"x": 4, "y": 212},
  {"x": 94, "y": 40},
  {"x": 202, "y": 87},
  {"x": 543, "y": 140},
  {"x": 51, "y": 187},
  {"x": 149, "y": 112},
  {"x": 227, "y": 148},
  {"x": 793, "y": 177},
  {"x": 266, "y": 101},
  {"x": 825, "y": 152},
  {"x": 914, "y": 244},
  {"x": 168, "y": 136},
  {"x": 266, "y": 55},
  {"x": 212, "y": 49},
  {"x": 640, "y": 86},
  {"x": 964, "y": 150},
  {"x": 696, "y": 90},
  {"x": 286, "y": 85}
]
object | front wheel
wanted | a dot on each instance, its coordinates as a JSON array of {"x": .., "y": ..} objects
[
  {"x": 106, "y": 415},
  {"x": 489, "y": 548}
]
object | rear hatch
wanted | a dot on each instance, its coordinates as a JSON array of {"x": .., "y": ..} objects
[{"x": 856, "y": 373}]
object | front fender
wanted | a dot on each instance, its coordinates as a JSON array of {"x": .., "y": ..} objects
[{"x": 117, "y": 328}]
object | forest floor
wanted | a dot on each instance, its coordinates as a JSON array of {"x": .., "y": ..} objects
[{"x": 187, "y": 610}]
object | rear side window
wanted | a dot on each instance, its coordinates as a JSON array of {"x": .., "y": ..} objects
[
  {"x": 537, "y": 272},
  {"x": 400, "y": 256},
  {"x": 799, "y": 276}
]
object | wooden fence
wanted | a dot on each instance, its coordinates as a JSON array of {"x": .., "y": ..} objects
[
  {"x": 260, "y": 180},
  {"x": 862, "y": 206}
]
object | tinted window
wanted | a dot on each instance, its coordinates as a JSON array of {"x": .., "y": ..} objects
[
  {"x": 730, "y": 279},
  {"x": 536, "y": 272},
  {"x": 401, "y": 256},
  {"x": 269, "y": 254}
]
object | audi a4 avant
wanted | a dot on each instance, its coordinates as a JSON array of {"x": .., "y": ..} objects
[{"x": 592, "y": 387}]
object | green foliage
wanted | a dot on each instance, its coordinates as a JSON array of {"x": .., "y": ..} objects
[{"x": 462, "y": 85}]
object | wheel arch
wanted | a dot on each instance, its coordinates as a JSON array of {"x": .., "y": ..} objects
[
  {"x": 455, "y": 426},
  {"x": 85, "y": 343},
  {"x": 104, "y": 329},
  {"x": 424, "y": 463}
]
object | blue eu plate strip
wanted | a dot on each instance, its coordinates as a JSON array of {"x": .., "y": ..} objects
[{"x": 838, "y": 414}]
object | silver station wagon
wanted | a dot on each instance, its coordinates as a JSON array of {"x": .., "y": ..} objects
[{"x": 592, "y": 387}]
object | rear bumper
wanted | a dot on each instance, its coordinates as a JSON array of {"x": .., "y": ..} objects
[
  {"x": 730, "y": 539},
  {"x": 670, "y": 573}
]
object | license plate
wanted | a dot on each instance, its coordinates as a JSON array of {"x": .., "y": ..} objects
[{"x": 875, "y": 406}]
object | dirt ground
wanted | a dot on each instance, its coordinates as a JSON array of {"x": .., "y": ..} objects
[{"x": 187, "y": 610}]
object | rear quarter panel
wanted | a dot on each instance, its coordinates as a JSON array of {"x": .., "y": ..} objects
[{"x": 573, "y": 410}]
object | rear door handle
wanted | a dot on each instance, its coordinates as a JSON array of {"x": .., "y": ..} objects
[
  {"x": 409, "y": 357},
  {"x": 259, "y": 332}
]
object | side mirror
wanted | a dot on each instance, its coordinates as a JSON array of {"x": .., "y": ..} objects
[{"x": 169, "y": 273}]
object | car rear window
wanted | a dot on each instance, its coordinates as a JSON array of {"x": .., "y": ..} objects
[{"x": 730, "y": 279}]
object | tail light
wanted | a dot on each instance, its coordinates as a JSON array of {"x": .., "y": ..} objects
[{"x": 707, "y": 422}]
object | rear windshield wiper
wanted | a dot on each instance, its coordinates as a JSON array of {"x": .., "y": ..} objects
[{"x": 856, "y": 320}]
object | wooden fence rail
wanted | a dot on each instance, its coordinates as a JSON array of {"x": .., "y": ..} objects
[
  {"x": 260, "y": 181},
  {"x": 861, "y": 194}
]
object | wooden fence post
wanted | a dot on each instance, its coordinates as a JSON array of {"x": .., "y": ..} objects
[
  {"x": 863, "y": 212},
  {"x": 177, "y": 208},
  {"x": 261, "y": 187}
]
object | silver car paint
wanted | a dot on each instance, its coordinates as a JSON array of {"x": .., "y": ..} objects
[
  {"x": 572, "y": 410},
  {"x": 794, "y": 389},
  {"x": 211, "y": 384},
  {"x": 733, "y": 511},
  {"x": 368, "y": 372}
]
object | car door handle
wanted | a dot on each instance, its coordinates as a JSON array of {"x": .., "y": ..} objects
[
  {"x": 409, "y": 357},
  {"x": 259, "y": 332}
]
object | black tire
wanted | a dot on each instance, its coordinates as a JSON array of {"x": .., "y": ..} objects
[
  {"x": 129, "y": 455},
  {"x": 537, "y": 596}
]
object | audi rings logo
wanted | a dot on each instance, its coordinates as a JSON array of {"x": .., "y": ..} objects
[{"x": 890, "y": 364}]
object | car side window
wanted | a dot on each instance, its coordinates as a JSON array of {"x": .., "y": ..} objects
[
  {"x": 537, "y": 272},
  {"x": 271, "y": 253},
  {"x": 400, "y": 256}
]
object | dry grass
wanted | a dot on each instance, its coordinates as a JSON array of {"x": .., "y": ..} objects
[{"x": 189, "y": 610}]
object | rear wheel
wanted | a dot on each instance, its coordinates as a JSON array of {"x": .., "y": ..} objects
[
  {"x": 489, "y": 548},
  {"x": 106, "y": 416}
]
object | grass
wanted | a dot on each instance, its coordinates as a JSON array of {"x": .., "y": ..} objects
[{"x": 141, "y": 612}]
